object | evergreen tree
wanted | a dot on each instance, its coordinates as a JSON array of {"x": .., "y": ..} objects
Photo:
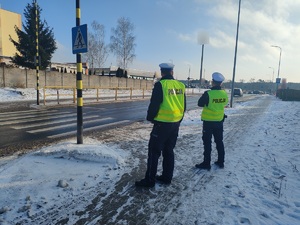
[{"x": 26, "y": 45}]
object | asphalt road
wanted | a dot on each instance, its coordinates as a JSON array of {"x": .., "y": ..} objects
[{"x": 23, "y": 127}]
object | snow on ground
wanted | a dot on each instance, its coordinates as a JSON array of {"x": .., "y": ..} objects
[
  {"x": 260, "y": 182},
  {"x": 21, "y": 94},
  {"x": 259, "y": 185}
]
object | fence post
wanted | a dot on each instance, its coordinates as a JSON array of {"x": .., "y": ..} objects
[
  {"x": 3, "y": 73},
  {"x": 44, "y": 89},
  {"x": 116, "y": 94},
  {"x": 45, "y": 77},
  {"x": 74, "y": 96},
  {"x": 57, "y": 96},
  {"x": 26, "y": 77},
  {"x": 131, "y": 93},
  {"x": 62, "y": 79}
]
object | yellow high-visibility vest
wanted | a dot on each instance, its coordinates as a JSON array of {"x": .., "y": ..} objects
[
  {"x": 172, "y": 107},
  {"x": 218, "y": 99}
]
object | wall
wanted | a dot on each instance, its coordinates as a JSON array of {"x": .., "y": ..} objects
[{"x": 26, "y": 78}]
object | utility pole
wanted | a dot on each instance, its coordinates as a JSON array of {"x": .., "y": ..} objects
[
  {"x": 278, "y": 79},
  {"x": 201, "y": 66},
  {"x": 235, "y": 53}
]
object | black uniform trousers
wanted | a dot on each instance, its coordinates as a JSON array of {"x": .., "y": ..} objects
[
  {"x": 211, "y": 128},
  {"x": 163, "y": 139}
]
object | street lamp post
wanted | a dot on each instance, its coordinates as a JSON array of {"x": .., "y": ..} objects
[
  {"x": 273, "y": 73},
  {"x": 271, "y": 87},
  {"x": 202, "y": 40},
  {"x": 201, "y": 66},
  {"x": 277, "y": 81},
  {"x": 189, "y": 77},
  {"x": 235, "y": 53}
]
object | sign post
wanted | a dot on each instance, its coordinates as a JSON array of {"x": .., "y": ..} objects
[
  {"x": 37, "y": 60},
  {"x": 79, "y": 43}
]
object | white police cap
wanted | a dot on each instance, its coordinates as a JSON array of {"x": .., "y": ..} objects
[
  {"x": 169, "y": 66},
  {"x": 218, "y": 77}
]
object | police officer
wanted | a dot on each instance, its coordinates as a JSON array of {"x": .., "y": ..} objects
[
  {"x": 213, "y": 103},
  {"x": 165, "y": 111}
]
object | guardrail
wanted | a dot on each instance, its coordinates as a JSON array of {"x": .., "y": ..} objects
[{"x": 115, "y": 94}]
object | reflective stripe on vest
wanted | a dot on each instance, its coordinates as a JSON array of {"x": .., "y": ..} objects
[
  {"x": 218, "y": 99},
  {"x": 172, "y": 107}
]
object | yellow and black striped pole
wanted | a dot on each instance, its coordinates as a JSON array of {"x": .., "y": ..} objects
[
  {"x": 37, "y": 55},
  {"x": 79, "y": 84}
]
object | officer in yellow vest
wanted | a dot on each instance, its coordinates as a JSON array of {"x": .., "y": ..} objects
[
  {"x": 213, "y": 103},
  {"x": 165, "y": 111}
]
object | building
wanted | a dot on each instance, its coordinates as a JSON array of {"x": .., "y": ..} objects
[
  {"x": 67, "y": 67},
  {"x": 8, "y": 21}
]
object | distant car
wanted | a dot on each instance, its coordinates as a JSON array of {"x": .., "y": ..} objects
[{"x": 238, "y": 92}]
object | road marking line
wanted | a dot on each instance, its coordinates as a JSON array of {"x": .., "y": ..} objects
[
  {"x": 8, "y": 114},
  {"x": 18, "y": 127},
  {"x": 27, "y": 115},
  {"x": 88, "y": 129},
  {"x": 38, "y": 119},
  {"x": 66, "y": 125},
  {"x": 21, "y": 118}
]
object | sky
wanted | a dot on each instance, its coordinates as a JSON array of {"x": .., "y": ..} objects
[
  {"x": 167, "y": 31},
  {"x": 259, "y": 184}
]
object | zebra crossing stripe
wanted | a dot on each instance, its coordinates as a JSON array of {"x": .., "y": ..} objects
[
  {"x": 8, "y": 114},
  {"x": 18, "y": 127},
  {"x": 66, "y": 125},
  {"x": 20, "y": 119},
  {"x": 88, "y": 129}
]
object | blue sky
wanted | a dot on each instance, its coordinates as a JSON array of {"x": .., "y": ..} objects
[{"x": 167, "y": 31}]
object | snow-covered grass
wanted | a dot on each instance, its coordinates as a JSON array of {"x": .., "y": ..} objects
[
  {"x": 259, "y": 185},
  {"x": 25, "y": 94}
]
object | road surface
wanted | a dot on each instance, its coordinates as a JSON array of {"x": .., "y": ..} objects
[{"x": 22, "y": 128}]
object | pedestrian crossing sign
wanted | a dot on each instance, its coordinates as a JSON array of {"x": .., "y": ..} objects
[
  {"x": 79, "y": 39},
  {"x": 278, "y": 80}
]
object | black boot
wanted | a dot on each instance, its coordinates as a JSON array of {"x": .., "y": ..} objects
[
  {"x": 163, "y": 180},
  {"x": 144, "y": 183},
  {"x": 203, "y": 165},
  {"x": 219, "y": 164}
]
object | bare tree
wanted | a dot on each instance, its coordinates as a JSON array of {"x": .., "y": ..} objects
[
  {"x": 252, "y": 80},
  {"x": 98, "y": 50},
  {"x": 122, "y": 42}
]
